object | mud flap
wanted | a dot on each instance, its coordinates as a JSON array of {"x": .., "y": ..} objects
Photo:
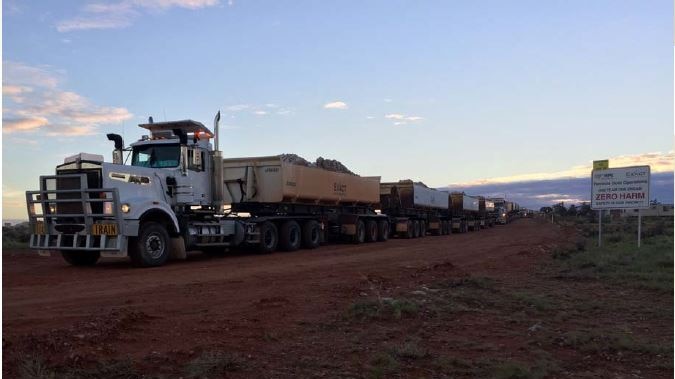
[{"x": 177, "y": 249}]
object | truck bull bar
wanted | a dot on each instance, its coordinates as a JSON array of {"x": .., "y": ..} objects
[{"x": 76, "y": 228}]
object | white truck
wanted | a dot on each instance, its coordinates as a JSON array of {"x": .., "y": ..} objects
[{"x": 178, "y": 193}]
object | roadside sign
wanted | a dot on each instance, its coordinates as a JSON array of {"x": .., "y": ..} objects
[
  {"x": 620, "y": 188},
  {"x": 601, "y": 165}
]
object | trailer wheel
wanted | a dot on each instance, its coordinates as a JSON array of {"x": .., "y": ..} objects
[
  {"x": 410, "y": 232},
  {"x": 311, "y": 234},
  {"x": 371, "y": 231},
  {"x": 269, "y": 238},
  {"x": 423, "y": 229},
  {"x": 383, "y": 230},
  {"x": 151, "y": 247},
  {"x": 81, "y": 258},
  {"x": 444, "y": 227},
  {"x": 360, "y": 235},
  {"x": 290, "y": 237},
  {"x": 416, "y": 229}
]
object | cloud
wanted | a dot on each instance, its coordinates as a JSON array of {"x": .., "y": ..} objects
[
  {"x": 258, "y": 110},
  {"x": 15, "y": 92},
  {"x": 23, "y": 124},
  {"x": 98, "y": 15},
  {"x": 538, "y": 193},
  {"x": 48, "y": 107},
  {"x": 22, "y": 75},
  {"x": 336, "y": 105},
  {"x": 659, "y": 162},
  {"x": 237, "y": 107},
  {"x": 571, "y": 186},
  {"x": 402, "y": 119}
]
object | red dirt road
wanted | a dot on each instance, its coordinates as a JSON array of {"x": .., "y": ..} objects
[
  {"x": 239, "y": 302},
  {"x": 45, "y": 293}
]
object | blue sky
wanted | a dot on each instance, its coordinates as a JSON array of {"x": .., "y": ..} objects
[{"x": 446, "y": 92}]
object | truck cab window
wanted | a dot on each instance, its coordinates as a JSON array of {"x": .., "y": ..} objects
[{"x": 156, "y": 156}]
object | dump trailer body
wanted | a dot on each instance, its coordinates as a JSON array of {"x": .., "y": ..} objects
[
  {"x": 271, "y": 180},
  {"x": 412, "y": 195},
  {"x": 296, "y": 197},
  {"x": 465, "y": 211},
  {"x": 415, "y": 209}
]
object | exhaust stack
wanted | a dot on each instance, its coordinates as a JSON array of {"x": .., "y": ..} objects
[
  {"x": 217, "y": 193},
  {"x": 119, "y": 147}
]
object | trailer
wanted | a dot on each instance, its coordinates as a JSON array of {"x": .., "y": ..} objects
[
  {"x": 465, "y": 212},
  {"x": 415, "y": 210},
  {"x": 486, "y": 211},
  {"x": 299, "y": 205}
]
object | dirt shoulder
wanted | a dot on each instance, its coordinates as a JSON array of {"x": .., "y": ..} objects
[{"x": 478, "y": 304}]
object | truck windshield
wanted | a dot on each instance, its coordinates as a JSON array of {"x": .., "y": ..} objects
[{"x": 156, "y": 156}]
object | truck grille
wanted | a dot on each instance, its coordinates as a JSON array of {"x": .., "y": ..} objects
[
  {"x": 67, "y": 206},
  {"x": 65, "y": 181}
]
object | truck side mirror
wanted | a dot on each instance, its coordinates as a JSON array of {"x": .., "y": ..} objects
[{"x": 182, "y": 136}]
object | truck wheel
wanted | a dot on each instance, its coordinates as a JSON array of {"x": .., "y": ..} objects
[
  {"x": 423, "y": 229},
  {"x": 81, "y": 258},
  {"x": 410, "y": 232},
  {"x": 311, "y": 234},
  {"x": 383, "y": 230},
  {"x": 444, "y": 227},
  {"x": 269, "y": 238},
  {"x": 151, "y": 247},
  {"x": 360, "y": 235},
  {"x": 416, "y": 229},
  {"x": 371, "y": 231},
  {"x": 289, "y": 236}
]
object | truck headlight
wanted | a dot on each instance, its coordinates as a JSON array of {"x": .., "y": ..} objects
[
  {"x": 52, "y": 208},
  {"x": 125, "y": 208},
  {"x": 107, "y": 208}
]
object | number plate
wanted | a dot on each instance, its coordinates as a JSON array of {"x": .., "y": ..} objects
[
  {"x": 104, "y": 229},
  {"x": 40, "y": 227}
]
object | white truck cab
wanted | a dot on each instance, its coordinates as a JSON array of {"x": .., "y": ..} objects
[{"x": 166, "y": 200}]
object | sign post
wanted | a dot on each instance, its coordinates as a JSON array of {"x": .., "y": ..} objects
[
  {"x": 620, "y": 188},
  {"x": 599, "y": 227},
  {"x": 639, "y": 226}
]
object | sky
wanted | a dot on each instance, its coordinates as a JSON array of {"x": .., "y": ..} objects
[{"x": 451, "y": 93}]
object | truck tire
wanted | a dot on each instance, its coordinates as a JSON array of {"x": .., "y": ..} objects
[
  {"x": 416, "y": 229},
  {"x": 445, "y": 227},
  {"x": 371, "y": 231},
  {"x": 151, "y": 247},
  {"x": 423, "y": 229},
  {"x": 383, "y": 231},
  {"x": 311, "y": 234},
  {"x": 360, "y": 235},
  {"x": 290, "y": 236},
  {"x": 410, "y": 232},
  {"x": 269, "y": 238},
  {"x": 81, "y": 258}
]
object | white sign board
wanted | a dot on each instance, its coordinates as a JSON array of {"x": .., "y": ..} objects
[{"x": 620, "y": 188}]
